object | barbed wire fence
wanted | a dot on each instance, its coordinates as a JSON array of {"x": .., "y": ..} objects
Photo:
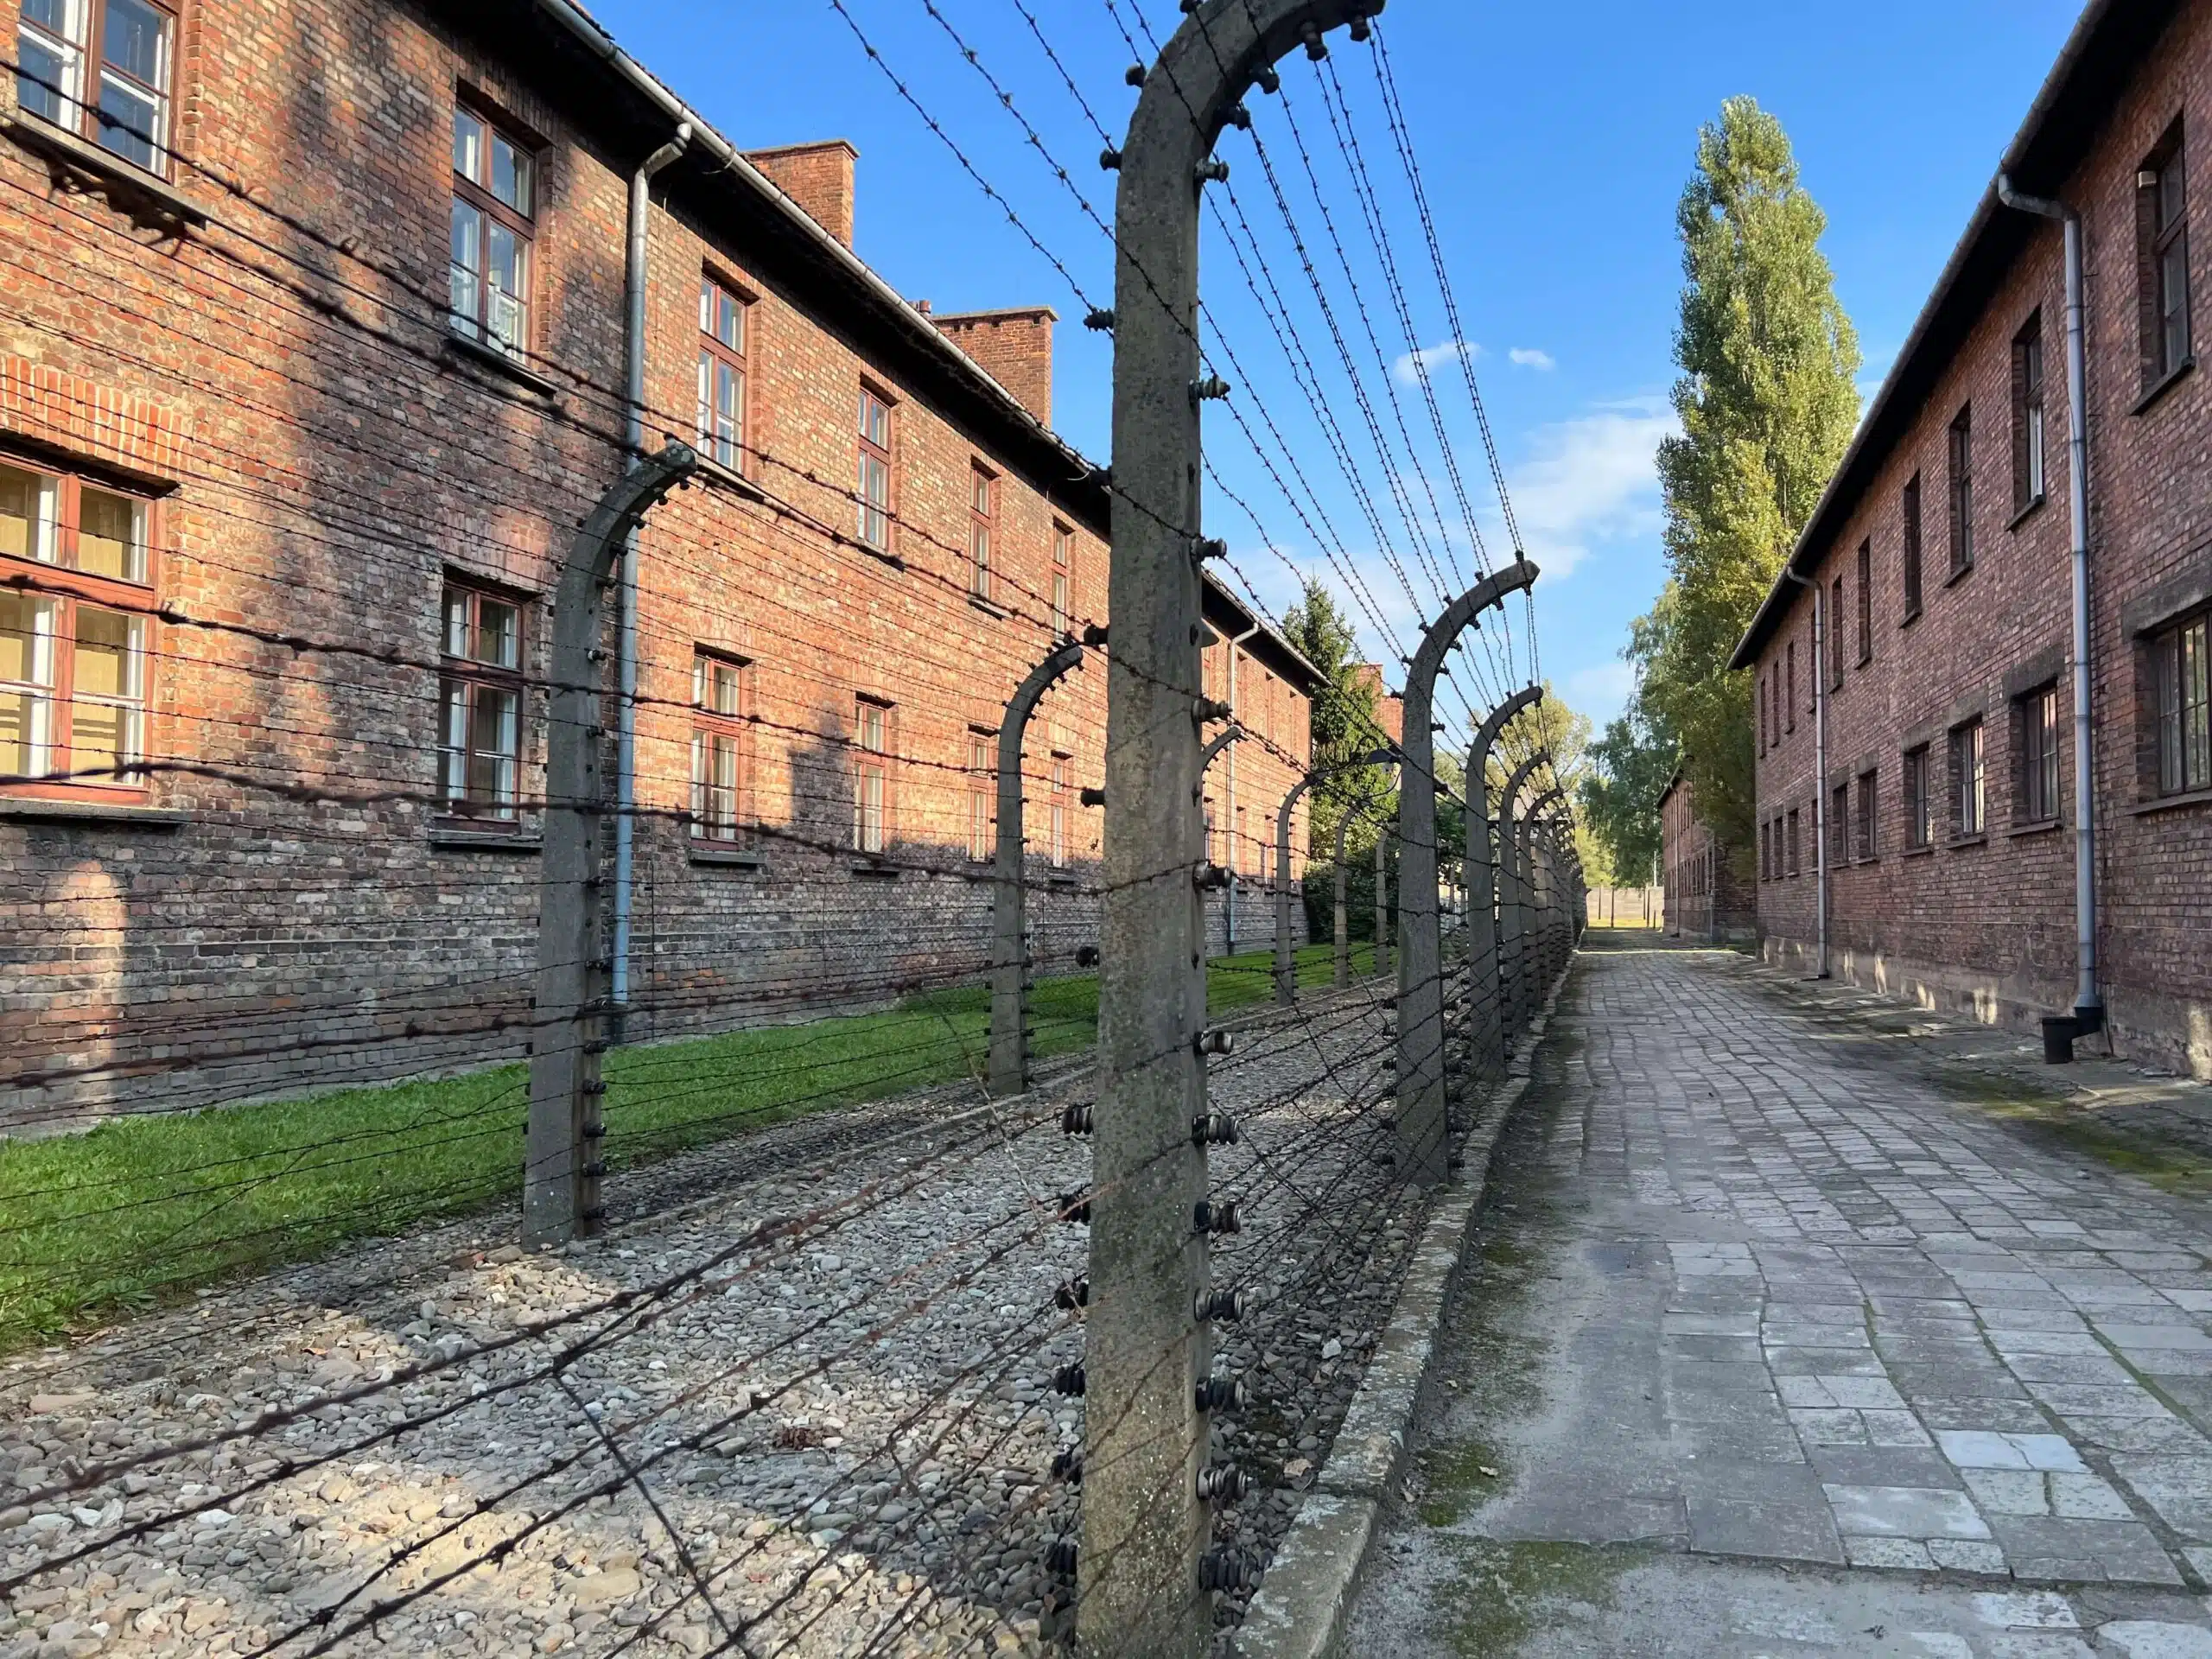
[{"x": 809, "y": 1368}]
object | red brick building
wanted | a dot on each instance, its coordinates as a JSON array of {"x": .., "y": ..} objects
[
  {"x": 1942, "y": 557},
  {"x": 1705, "y": 897},
  {"x": 312, "y": 357}
]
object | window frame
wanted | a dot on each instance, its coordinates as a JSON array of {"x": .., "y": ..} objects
[
  {"x": 1063, "y": 580},
  {"x": 480, "y": 197},
  {"x": 459, "y": 810},
  {"x": 709, "y": 725},
  {"x": 1867, "y": 826},
  {"x": 61, "y": 581},
  {"x": 2181, "y": 767},
  {"x": 983, "y": 791},
  {"x": 1919, "y": 803},
  {"x": 1959, "y": 489},
  {"x": 877, "y": 771},
  {"x": 1790, "y": 698},
  {"x": 1059, "y": 799},
  {"x": 2035, "y": 715},
  {"x": 982, "y": 531},
  {"x": 2163, "y": 250},
  {"x": 1969, "y": 777},
  {"x": 91, "y": 76},
  {"x": 877, "y": 517},
  {"x": 1794, "y": 822},
  {"x": 1911, "y": 548},
  {"x": 2031, "y": 428},
  {"x": 717, "y": 354},
  {"x": 1835, "y": 627},
  {"x": 1840, "y": 825},
  {"x": 1866, "y": 601}
]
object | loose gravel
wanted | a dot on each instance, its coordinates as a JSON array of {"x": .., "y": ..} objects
[{"x": 803, "y": 1405}]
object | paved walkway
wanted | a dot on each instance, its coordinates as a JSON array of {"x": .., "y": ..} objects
[{"x": 1776, "y": 1346}]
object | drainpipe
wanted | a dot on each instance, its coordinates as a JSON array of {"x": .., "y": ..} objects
[
  {"x": 1229, "y": 815},
  {"x": 633, "y": 440},
  {"x": 1820, "y": 762},
  {"x": 2089, "y": 1000}
]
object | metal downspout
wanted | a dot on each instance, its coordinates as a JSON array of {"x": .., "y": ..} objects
[
  {"x": 633, "y": 441},
  {"x": 2089, "y": 999}
]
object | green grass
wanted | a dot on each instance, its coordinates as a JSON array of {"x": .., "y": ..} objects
[{"x": 145, "y": 1209}]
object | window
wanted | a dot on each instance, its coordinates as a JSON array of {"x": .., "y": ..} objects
[
  {"x": 1835, "y": 641},
  {"x": 2027, "y": 416},
  {"x": 982, "y": 781},
  {"x": 1911, "y": 548},
  {"x": 1766, "y": 850},
  {"x": 874, "y": 493},
  {"x": 982, "y": 505},
  {"x": 72, "y": 644},
  {"x": 479, "y": 753},
  {"x": 1840, "y": 826},
  {"x": 1789, "y": 700},
  {"x": 1763, "y": 728},
  {"x": 1868, "y": 818},
  {"x": 1059, "y": 806},
  {"x": 2037, "y": 714},
  {"x": 102, "y": 68},
  {"x": 871, "y": 774},
  {"x": 2161, "y": 221},
  {"x": 1063, "y": 579},
  {"x": 494, "y": 177},
  {"x": 724, "y": 322},
  {"x": 1267, "y": 846},
  {"x": 1792, "y": 840},
  {"x": 718, "y": 715},
  {"x": 1241, "y": 840},
  {"x": 1962, "y": 486},
  {"x": 2179, "y": 657},
  {"x": 1919, "y": 809},
  {"x": 1865, "y": 602},
  {"x": 1969, "y": 781}
]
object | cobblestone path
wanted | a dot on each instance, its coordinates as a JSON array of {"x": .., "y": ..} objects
[{"x": 1775, "y": 1346}]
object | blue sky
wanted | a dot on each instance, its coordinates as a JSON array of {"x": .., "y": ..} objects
[{"x": 1553, "y": 141}]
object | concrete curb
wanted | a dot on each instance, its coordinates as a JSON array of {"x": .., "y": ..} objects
[{"x": 1299, "y": 1610}]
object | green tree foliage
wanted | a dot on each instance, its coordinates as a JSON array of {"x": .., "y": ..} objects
[
  {"x": 1629, "y": 768},
  {"x": 1767, "y": 401},
  {"x": 1344, "y": 726}
]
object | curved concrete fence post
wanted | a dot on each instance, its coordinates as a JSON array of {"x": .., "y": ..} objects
[
  {"x": 574, "y": 1001},
  {"x": 1513, "y": 910},
  {"x": 1423, "y": 1127},
  {"x": 1486, "y": 991},
  {"x": 1010, "y": 958}
]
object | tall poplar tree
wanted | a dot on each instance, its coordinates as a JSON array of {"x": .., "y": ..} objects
[{"x": 1767, "y": 400}]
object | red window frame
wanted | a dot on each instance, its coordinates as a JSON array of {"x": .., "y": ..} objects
[
  {"x": 69, "y": 95},
  {"x": 876, "y": 477},
  {"x": 982, "y": 528},
  {"x": 1063, "y": 579},
  {"x": 1062, "y": 798},
  {"x": 874, "y": 744},
  {"x": 982, "y": 784},
  {"x": 477, "y": 194},
  {"x": 721, "y": 727},
  {"x": 725, "y": 311},
  {"x": 50, "y": 705},
  {"x": 472, "y": 684}
]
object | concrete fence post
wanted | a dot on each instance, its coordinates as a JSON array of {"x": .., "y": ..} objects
[
  {"x": 1383, "y": 899},
  {"x": 1011, "y": 962},
  {"x": 1486, "y": 992},
  {"x": 572, "y": 1009},
  {"x": 1423, "y": 1126},
  {"x": 1142, "y": 1588},
  {"x": 1513, "y": 913},
  {"x": 1343, "y": 915}
]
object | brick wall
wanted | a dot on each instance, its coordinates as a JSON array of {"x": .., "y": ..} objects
[
  {"x": 1706, "y": 897},
  {"x": 280, "y": 905},
  {"x": 1986, "y": 923}
]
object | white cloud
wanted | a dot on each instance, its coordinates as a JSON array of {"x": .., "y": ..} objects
[
  {"x": 1409, "y": 366},
  {"x": 1590, "y": 480},
  {"x": 1527, "y": 357}
]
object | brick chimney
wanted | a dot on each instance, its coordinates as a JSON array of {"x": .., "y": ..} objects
[
  {"x": 818, "y": 177},
  {"x": 1015, "y": 348},
  {"x": 1389, "y": 707}
]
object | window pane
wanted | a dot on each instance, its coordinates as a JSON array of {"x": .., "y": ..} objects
[
  {"x": 498, "y": 633},
  {"x": 26, "y": 514},
  {"x": 134, "y": 40},
  {"x": 107, "y": 658},
  {"x": 723, "y": 689},
  {"x": 493, "y": 731},
  {"x": 2195, "y": 686},
  {"x": 467, "y": 264},
  {"x": 111, "y": 535},
  {"x": 511, "y": 171},
  {"x": 46, "y": 77},
  {"x": 468, "y": 146},
  {"x": 506, "y": 271},
  {"x": 456, "y": 623},
  {"x": 129, "y": 123},
  {"x": 26, "y": 640},
  {"x": 452, "y": 748}
]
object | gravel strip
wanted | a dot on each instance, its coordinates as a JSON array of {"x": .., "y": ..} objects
[{"x": 844, "y": 1411}]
